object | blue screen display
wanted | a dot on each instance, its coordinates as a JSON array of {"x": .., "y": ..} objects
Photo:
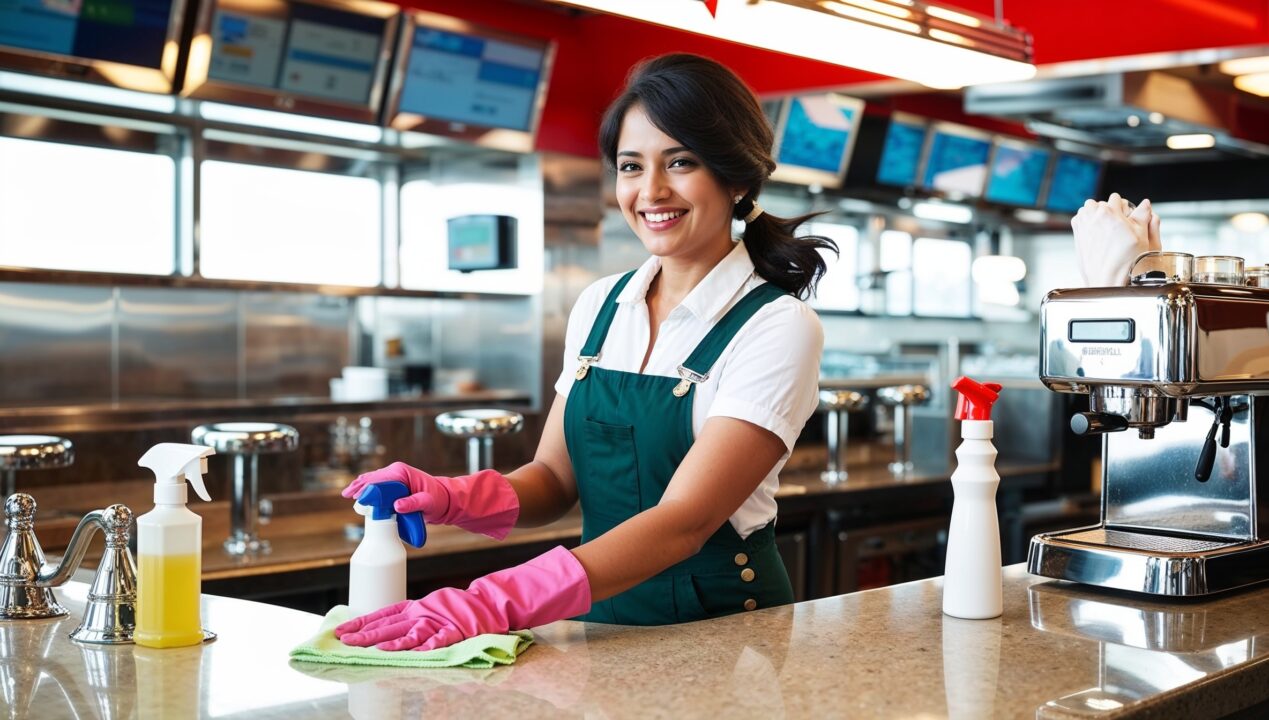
[
  {"x": 471, "y": 79},
  {"x": 901, "y": 154},
  {"x": 1016, "y": 175},
  {"x": 1074, "y": 181},
  {"x": 816, "y": 133},
  {"x": 131, "y": 32},
  {"x": 956, "y": 163}
]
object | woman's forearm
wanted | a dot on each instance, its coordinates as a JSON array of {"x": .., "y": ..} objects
[
  {"x": 640, "y": 547},
  {"x": 543, "y": 498}
]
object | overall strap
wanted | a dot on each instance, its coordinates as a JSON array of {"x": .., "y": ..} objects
[
  {"x": 713, "y": 344},
  {"x": 603, "y": 320}
]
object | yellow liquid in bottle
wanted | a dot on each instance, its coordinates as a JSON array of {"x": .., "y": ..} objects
[{"x": 168, "y": 590}]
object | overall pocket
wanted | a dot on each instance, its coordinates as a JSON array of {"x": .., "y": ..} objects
[{"x": 610, "y": 491}]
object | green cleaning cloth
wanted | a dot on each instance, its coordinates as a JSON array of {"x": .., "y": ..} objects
[{"x": 482, "y": 651}]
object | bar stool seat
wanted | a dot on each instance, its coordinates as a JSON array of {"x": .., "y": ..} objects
[
  {"x": 246, "y": 441},
  {"x": 902, "y": 398},
  {"x": 838, "y": 404},
  {"x": 32, "y": 452},
  {"x": 479, "y": 427}
]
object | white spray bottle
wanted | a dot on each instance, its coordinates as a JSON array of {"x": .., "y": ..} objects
[
  {"x": 972, "y": 578},
  {"x": 169, "y": 549},
  {"x": 377, "y": 569}
]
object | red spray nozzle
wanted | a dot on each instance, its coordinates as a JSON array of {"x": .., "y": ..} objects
[{"x": 975, "y": 399}]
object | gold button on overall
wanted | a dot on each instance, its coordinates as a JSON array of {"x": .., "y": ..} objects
[
  {"x": 747, "y": 574},
  {"x": 742, "y": 559},
  {"x": 751, "y": 604}
]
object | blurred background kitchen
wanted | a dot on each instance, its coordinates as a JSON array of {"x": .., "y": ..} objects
[{"x": 350, "y": 218}]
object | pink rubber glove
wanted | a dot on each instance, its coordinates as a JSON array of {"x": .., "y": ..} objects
[
  {"x": 550, "y": 587},
  {"x": 483, "y": 503}
]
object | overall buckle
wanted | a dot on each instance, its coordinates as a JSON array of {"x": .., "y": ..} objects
[
  {"x": 688, "y": 378},
  {"x": 586, "y": 361}
]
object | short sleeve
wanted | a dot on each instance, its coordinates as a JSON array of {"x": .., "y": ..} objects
[
  {"x": 771, "y": 371},
  {"x": 580, "y": 321}
]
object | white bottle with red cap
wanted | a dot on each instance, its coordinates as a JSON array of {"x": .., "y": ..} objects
[{"x": 972, "y": 577}]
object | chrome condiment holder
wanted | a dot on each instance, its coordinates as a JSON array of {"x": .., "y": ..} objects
[
  {"x": 1177, "y": 376},
  {"x": 27, "y": 580}
]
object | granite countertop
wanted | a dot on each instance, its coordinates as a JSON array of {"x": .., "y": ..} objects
[{"x": 1060, "y": 651}]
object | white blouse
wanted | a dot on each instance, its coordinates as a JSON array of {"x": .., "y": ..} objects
[{"x": 768, "y": 374}]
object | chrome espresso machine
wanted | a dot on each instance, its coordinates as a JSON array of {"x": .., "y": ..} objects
[{"x": 1177, "y": 375}]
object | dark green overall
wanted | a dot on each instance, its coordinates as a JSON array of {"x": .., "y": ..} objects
[{"x": 626, "y": 434}]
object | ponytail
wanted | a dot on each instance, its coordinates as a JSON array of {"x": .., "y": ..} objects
[{"x": 790, "y": 262}]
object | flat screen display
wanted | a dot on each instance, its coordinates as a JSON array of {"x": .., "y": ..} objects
[
  {"x": 1017, "y": 171},
  {"x": 482, "y": 242},
  {"x": 901, "y": 153},
  {"x": 132, "y": 32},
  {"x": 815, "y": 137},
  {"x": 956, "y": 161},
  {"x": 1074, "y": 180},
  {"x": 467, "y": 78},
  {"x": 309, "y": 50}
]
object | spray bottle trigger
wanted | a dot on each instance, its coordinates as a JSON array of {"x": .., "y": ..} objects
[
  {"x": 194, "y": 473},
  {"x": 382, "y": 497}
]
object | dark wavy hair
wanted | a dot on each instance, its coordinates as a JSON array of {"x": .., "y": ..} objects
[{"x": 706, "y": 107}]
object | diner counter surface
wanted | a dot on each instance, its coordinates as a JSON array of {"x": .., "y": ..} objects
[{"x": 1059, "y": 651}]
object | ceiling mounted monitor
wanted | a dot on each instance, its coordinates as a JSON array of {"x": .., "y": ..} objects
[
  {"x": 901, "y": 152},
  {"x": 1016, "y": 173},
  {"x": 327, "y": 58},
  {"x": 1074, "y": 179},
  {"x": 463, "y": 81},
  {"x": 956, "y": 160},
  {"x": 814, "y": 138},
  {"x": 131, "y": 44}
]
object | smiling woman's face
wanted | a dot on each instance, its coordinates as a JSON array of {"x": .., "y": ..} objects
[{"x": 676, "y": 206}]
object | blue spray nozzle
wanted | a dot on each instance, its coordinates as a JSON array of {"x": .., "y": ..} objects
[{"x": 381, "y": 497}]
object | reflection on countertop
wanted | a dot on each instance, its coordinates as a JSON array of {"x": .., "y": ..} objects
[{"x": 1058, "y": 651}]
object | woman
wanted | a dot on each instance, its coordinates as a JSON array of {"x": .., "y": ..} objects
[{"x": 686, "y": 383}]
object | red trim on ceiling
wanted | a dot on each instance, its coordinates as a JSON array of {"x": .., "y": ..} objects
[{"x": 595, "y": 52}]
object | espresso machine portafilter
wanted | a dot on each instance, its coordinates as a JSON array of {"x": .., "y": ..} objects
[{"x": 1177, "y": 376}]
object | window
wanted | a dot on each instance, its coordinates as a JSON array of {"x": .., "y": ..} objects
[
  {"x": 838, "y": 289},
  {"x": 283, "y": 225},
  {"x": 69, "y": 207},
  {"x": 941, "y": 277}
]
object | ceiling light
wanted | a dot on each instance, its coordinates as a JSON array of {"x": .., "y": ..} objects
[
  {"x": 945, "y": 212},
  {"x": 1156, "y": 118},
  {"x": 1191, "y": 142},
  {"x": 1256, "y": 84},
  {"x": 1249, "y": 222},
  {"x": 1029, "y": 215},
  {"x": 888, "y": 37},
  {"x": 1245, "y": 66},
  {"x": 1133, "y": 121}
]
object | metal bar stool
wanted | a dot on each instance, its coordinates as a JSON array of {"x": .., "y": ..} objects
[
  {"x": 480, "y": 427},
  {"x": 902, "y": 398},
  {"x": 32, "y": 452},
  {"x": 246, "y": 442},
  {"x": 838, "y": 404}
]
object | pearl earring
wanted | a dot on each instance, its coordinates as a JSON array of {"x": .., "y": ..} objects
[{"x": 738, "y": 199}]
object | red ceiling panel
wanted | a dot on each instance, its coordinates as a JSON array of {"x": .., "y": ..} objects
[{"x": 594, "y": 52}]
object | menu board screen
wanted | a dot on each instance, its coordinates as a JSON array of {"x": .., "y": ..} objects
[
  {"x": 315, "y": 51},
  {"x": 957, "y": 161},
  {"x": 901, "y": 153},
  {"x": 132, "y": 32},
  {"x": 472, "y": 79},
  {"x": 1074, "y": 180},
  {"x": 815, "y": 137},
  {"x": 1017, "y": 170}
]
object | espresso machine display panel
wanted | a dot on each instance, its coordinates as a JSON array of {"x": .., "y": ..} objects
[{"x": 1177, "y": 375}]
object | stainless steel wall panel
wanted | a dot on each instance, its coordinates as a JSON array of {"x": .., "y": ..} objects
[
  {"x": 293, "y": 343},
  {"x": 55, "y": 344},
  {"x": 177, "y": 344}
]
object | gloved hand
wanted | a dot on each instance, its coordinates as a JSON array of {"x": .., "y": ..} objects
[
  {"x": 1109, "y": 236},
  {"x": 484, "y": 503},
  {"x": 550, "y": 587}
]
